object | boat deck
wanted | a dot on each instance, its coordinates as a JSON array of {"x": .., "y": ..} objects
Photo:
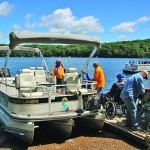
[{"x": 117, "y": 125}]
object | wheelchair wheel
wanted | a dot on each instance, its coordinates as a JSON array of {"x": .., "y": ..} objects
[
  {"x": 110, "y": 109},
  {"x": 103, "y": 99},
  {"x": 124, "y": 108}
]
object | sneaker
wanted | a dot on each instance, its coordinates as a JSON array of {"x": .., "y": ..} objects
[{"x": 136, "y": 129}]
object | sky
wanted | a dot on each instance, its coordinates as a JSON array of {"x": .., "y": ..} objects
[{"x": 110, "y": 20}]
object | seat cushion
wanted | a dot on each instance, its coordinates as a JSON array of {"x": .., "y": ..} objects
[
  {"x": 33, "y": 94},
  {"x": 83, "y": 90}
]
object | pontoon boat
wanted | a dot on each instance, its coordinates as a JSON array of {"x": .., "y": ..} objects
[
  {"x": 30, "y": 99},
  {"x": 136, "y": 67}
]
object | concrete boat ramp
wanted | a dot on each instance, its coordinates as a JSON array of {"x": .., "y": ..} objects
[{"x": 117, "y": 124}]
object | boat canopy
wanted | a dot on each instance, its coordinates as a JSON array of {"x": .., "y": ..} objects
[
  {"x": 50, "y": 38},
  {"x": 21, "y": 48}
]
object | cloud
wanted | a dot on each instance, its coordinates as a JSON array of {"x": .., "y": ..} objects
[
  {"x": 29, "y": 25},
  {"x": 62, "y": 20},
  {"x": 16, "y": 28},
  {"x": 129, "y": 26},
  {"x": 1, "y": 35},
  {"x": 124, "y": 27},
  {"x": 5, "y": 8},
  {"x": 143, "y": 19},
  {"x": 28, "y": 16},
  {"x": 60, "y": 17},
  {"x": 25, "y": 29},
  {"x": 122, "y": 37}
]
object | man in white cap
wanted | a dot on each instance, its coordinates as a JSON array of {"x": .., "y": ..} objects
[{"x": 129, "y": 95}]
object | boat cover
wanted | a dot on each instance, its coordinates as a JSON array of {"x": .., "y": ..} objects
[
  {"x": 20, "y": 48},
  {"x": 50, "y": 38}
]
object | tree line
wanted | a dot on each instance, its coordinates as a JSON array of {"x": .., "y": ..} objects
[{"x": 122, "y": 49}]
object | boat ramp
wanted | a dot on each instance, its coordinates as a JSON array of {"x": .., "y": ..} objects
[{"x": 117, "y": 125}]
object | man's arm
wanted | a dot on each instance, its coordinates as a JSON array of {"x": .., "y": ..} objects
[{"x": 140, "y": 86}]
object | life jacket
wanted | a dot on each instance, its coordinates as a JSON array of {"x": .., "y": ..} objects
[{"x": 56, "y": 69}]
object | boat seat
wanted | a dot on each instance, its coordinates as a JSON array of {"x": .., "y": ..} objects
[
  {"x": 72, "y": 77},
  {"x": 40, "y": 75},
  {"x": 32, "y": 69},
  {"x": 52, "y": 79},
  {"x": 26, "y": 84},
  {"x": 32, "y": 94}
]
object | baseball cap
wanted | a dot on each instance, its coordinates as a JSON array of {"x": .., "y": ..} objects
[
  {"x": 58, "y": 61},
  {"x": 146, "y": 72},
  {"x": 95, "y": 63},
  {"x": 120, "y": 76}
]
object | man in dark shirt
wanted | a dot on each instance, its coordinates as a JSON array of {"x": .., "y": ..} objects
[
  {"x": 116, "y": 88},
  {"x": 114, "y": 91}
]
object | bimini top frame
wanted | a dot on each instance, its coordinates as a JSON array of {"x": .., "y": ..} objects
[
  {"x": 50, "y": 38},
  {"x": 54, "y": 38},
  {"x": 24, "y": 49}
]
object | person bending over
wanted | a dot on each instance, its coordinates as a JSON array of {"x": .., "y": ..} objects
[{"x": 129, "y": 95}]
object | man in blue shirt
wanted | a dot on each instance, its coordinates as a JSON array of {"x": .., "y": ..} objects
[{"x": 129, "y": 95}]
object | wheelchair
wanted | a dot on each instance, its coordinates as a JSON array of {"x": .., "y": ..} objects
[
  {"x": 112, "y": 106},
  {"x": 144, "y": 113},
  {"x": 144, "y": 119}
]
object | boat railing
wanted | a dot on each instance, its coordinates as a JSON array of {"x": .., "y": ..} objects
[
  {"x": 135, "y": 66},
  {"x": 63, "y": 92},
  {"x": 144, "y": 64},
  {"x": 88, "y": 84},
  {"x": 13, "y": 90},
  {"x": 11, "y": 86},
  {"x": 7, "y": 88}
]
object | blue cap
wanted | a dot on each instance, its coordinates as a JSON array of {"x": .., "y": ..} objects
[{"x": 120, "y": 76}]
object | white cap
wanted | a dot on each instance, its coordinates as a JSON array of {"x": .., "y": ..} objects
[{"x": 95, "y": 63}]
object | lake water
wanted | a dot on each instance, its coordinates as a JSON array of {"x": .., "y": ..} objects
[{"x": 111, "y": 66}]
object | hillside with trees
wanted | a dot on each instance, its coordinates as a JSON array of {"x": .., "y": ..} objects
[{"x": 123, "y": 49}]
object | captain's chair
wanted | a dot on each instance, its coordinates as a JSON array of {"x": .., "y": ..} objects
[
  {"x": 40, "y": 76},
  {"x": 25, "y": 82},
  {"x": 72, "y": 77},
  {"x": 32, "y": 69}
]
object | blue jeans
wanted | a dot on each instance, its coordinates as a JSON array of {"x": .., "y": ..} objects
[{"x": 131, "y": 115}]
